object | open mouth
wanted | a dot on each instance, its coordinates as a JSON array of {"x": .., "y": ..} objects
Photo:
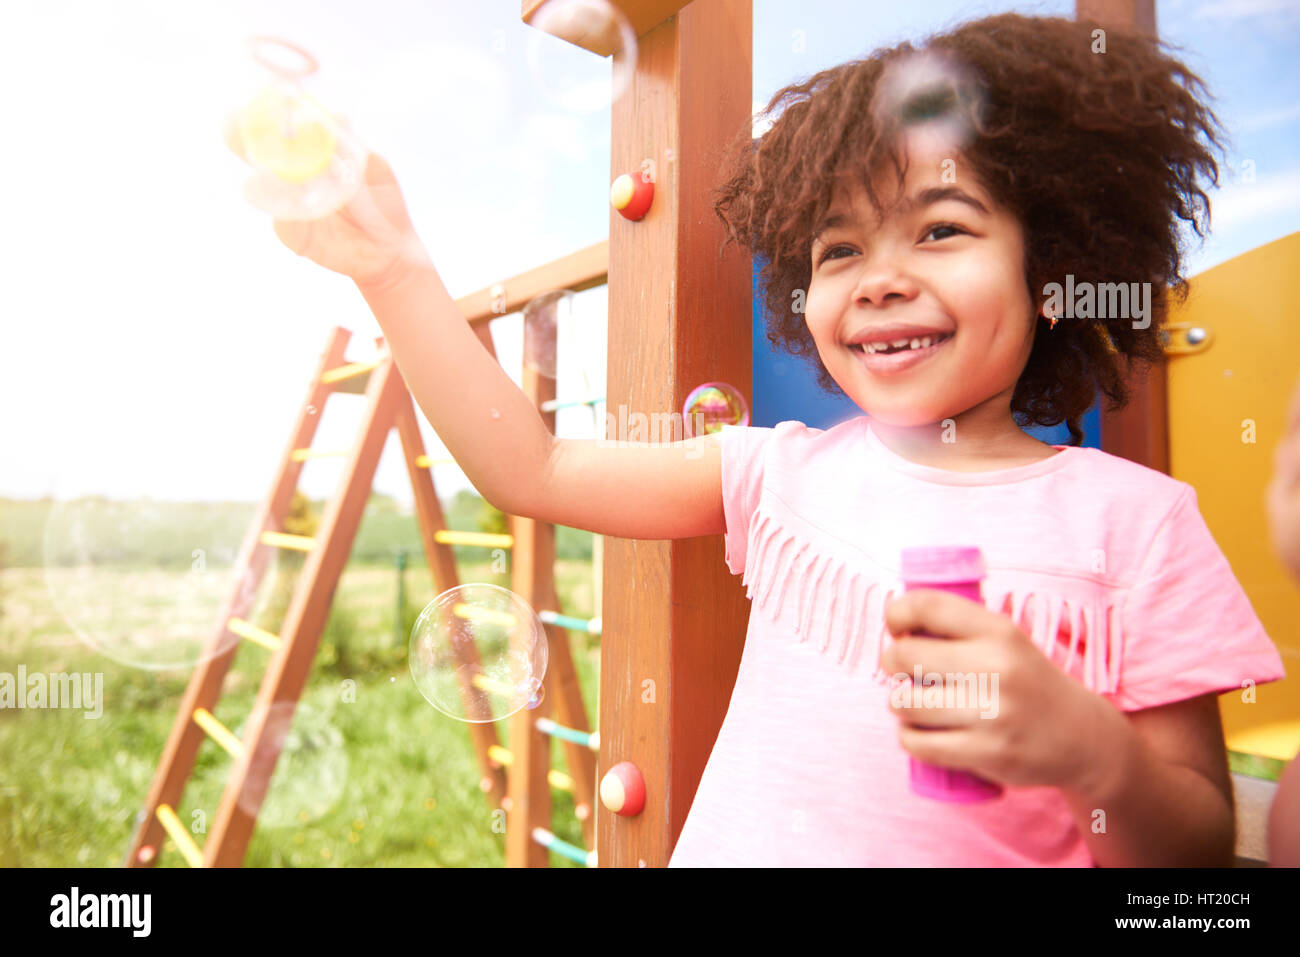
[{"x": 901, "y": 345}]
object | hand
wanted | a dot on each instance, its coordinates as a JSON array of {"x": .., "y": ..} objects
[
  {"x": 1035, "y": 727},
  {"x": 370, "y": 239},
  {"x": 1283, "y": 496}
]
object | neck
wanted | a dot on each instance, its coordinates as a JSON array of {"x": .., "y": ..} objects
[{"x": 983, "y": 438}]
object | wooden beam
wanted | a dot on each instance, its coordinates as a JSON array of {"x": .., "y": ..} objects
[
  {"x": 591, "y": 33},
  {"x": 584, "y": 269},
  {"x": 532, "y": 571},
  {"x": 679, "y": 315},
  {"x": 1140, "y": 431}
]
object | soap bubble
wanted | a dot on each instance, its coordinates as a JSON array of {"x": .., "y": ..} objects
[
  {"x": 310, "y": 771},
  {"x": 571, "y": 77},
  {"x": 543, "y": 317},
  {"x": 148, "y": 583},
  {"x": 934, "y": 100},
  {"x": 306, "y": 163},
  {"x": 711, "y": 406},
  {"x": 478, "y": 653}
]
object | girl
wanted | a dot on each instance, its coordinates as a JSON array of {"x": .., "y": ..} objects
[{"x": 926, "y": 224}]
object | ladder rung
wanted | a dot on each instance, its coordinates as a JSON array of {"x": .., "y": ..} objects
[
  {"x": 592, "y": 627},
  {"x": 264, "y": 638},
  {"x": 491, "y": 685},
  {"x": 349, "y": 371},
  {"x": 218, "y": 732},
  {"x": 184, "y": 843},
  {"x": 503, "y": 756},
  {"x": 549, "y": 841},
  {"x": 550, "y": 405},
  {"x": 588, "y": 739},
  {"x": 484, "y": 539},
  {"x": 469, "y": 612},
  {"x": 302, "y": 455},
  {"x": 301, "y": 543},
  {"x": 424, "y": 462}
]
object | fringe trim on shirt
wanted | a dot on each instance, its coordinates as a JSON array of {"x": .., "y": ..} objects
[{"x": 842, "y": 614}]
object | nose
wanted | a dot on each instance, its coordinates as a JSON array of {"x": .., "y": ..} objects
[{"x": 881, "y": 279}]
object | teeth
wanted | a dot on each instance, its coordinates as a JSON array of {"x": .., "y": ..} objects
[{"x": 923, "y": 342}]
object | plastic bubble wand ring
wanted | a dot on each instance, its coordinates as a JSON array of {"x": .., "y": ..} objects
[{"x": 307, "y": 164}]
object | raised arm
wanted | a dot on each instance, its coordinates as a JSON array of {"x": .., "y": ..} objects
[
  {"x": 498, "y": 438},
  {"x": 487, "y": 423}
]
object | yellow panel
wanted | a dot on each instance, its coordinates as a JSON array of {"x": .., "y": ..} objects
[{"x": 1243, "y": 380}]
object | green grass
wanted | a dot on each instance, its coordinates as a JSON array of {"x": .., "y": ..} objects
[{"x": 371, "y": 773}]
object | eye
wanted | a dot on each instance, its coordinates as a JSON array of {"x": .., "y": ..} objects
[
  {"x": 826, "y": 253},
  {"x": 936, "y": 227}
]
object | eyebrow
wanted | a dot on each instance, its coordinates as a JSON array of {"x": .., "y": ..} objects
[{"x": 926, "y": 197}]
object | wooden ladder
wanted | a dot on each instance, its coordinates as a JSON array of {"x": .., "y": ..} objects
[{"x": 388, "y": 405}]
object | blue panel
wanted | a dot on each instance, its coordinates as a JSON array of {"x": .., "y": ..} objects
[{"x": 785, "y": 388}]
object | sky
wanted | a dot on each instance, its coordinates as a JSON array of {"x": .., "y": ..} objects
[{"x": 157, "y": 339}]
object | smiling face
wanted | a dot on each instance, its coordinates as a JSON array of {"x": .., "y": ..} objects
[{"x": 946, "y": 262}]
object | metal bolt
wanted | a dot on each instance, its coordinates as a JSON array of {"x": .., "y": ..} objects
[{"x": 1195, "y": 335}]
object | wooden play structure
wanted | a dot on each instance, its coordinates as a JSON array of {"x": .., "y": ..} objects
[{"x": 673, "y": 618}]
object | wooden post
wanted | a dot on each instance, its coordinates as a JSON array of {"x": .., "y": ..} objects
[
  {"x": 679, "y": 316},
  {"x": 1140, "y": 431}
]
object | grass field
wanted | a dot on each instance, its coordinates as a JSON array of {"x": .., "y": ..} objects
[{"x": 371, "y": 774}]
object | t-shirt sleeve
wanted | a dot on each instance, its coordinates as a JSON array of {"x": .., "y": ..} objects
[
  {"x": 743, "y": 449},
  {"x": 1189, "y": 628}
]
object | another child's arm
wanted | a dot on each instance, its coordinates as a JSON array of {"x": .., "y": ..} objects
[
  {"x": 1284, "y": 527},
  {"x": 1283, "y": 499}
]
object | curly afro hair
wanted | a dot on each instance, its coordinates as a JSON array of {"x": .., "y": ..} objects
[{"x": 1097, "y": 154}]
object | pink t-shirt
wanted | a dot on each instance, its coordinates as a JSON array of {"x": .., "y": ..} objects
[{"x": 1107, "y": 565}]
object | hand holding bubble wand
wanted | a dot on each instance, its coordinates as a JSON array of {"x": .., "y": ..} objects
[{"x": 333, "y": 201}]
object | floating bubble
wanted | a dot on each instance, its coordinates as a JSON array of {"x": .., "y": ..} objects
[
  {"x": 478, "y": 653},
  {"x": 572, "y": 77},
  {"x": 537, "y": 698},
  {"x": 151, "y": 584},
  {"x": 306, "y": 163},
  {"x": 309, "y": 775},
  {"x": 543, "y": 317},
  {"x": 932, "y": 98},
  {"x": 711, "y": 406}
]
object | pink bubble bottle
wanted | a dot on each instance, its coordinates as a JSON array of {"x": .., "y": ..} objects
[{"x": 958, "y": 571}]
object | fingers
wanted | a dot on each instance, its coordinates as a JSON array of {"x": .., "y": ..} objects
[
  {"x": 927, "y": 611},
  {"x": 938, "y": 705}
]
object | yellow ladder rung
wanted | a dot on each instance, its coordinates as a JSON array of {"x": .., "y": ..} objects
[
  {"x": 424, "y": 462},
  {"x": 218, "y": 732},
  {"x": 491, "y": 685},
  {"x": 474, "y": 538},
  {"x": 559, "y": 780},
  {"x": 264, "y": 638},
  {"x": 349, "y": 371},
  {"x": 301, "y": 543},
  {"x": 491, "y": 615},
  {"x": 302, "y": 455},
  {"x": 176, "y": 830}
]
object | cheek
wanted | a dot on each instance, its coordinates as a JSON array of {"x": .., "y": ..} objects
[{"x": 819, "y": 311}]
